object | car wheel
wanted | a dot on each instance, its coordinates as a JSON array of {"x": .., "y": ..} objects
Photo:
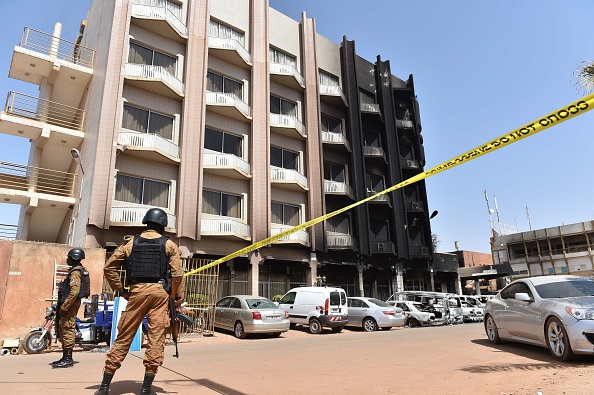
[
  {"x": 337, "y": 329},
  {"x": 315, "y": 326},
  {"x": 239, "y": 331},
  {"x": 369, "y": 325},
  {"x": 491, "y": 330},
  {"x": 413, "y": 322},
  {"x": 34, "y": 343},
  {"x": 558, "y": 341}
]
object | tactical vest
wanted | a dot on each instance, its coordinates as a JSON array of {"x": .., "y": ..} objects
[
  {"x": 85, "y": 285},
  {"x": 147, "y": 262}
]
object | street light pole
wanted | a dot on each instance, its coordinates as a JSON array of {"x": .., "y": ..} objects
[{"x": 77, "y": 158}]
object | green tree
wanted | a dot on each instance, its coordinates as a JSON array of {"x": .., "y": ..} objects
[
  {"x": 584, "y": 77},
  {"x": 434, "y": 242}
]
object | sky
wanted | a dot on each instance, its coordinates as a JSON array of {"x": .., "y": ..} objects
[{"x": 481, "y": 69}]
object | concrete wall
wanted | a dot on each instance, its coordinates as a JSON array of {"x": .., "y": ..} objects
[{"x": 27, "y": 272}]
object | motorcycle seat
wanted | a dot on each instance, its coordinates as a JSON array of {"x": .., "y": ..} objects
[{"x": 87, "y": 320}]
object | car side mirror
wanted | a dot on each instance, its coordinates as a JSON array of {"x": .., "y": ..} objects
[{"x": 523, "y": 296}]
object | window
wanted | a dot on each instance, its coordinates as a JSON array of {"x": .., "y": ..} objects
[
  {"x": 372, "y": 139},
  {"x": 379, "y": 230},
  {"x": 146, "y": 121},
  {"x": 282, "y": 107},
  {"x": 142, "y": 191},
  {"x": 223, "y": 142},
  {"x": 285, "y": 214},
  {"x": 334, "y": 172},
  {"x": 339, "y": 223},
  {"x": 220, "y": 84},
  {"x": 282, "y": 158},
  {"x": 328, "y": 79},
  {"x": 217, "y": 29},
  {"x": 288, "y": 298},
  {"x": 219, "y": 203},
  {"x": 142, "y": 55},
  {"x": 366, "y": 97},
  {"x": 374, "y": 182},
  {"x": 511, "y": 290},
  {"x": 278, "y": 56},
  {"x": 331, "y": 125}
]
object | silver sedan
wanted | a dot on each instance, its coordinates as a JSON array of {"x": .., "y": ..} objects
[
  {"x": 372, "y": 314},
  {"x": 244, "y": 314},
  {"x": 556, "y": 312}
]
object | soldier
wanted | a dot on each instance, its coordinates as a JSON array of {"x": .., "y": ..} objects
[
  {"x": 75, "y": 286},
  {"x": 153, "y": 268}
]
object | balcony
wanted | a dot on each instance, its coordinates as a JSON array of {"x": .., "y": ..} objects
[
  {"x": 287, "y": 75},
  {"x": 299, "y": 237},
  {"x": 288, "y": 125},
  {"x": 416, "y": 206},
  {"x": 340, "y": 241},
  {"x": 161, "y": 16},
  {"x": 336, "y": 139},
  {"x": 150, "y": 146},
  {"x": 381, "y": 199},
  {"x": 410, "y": 164},
  {"x": 130, "y": 214},
  {"x": 288, "y": 178},
  {"x": 338, "y": 188},
  {"x": 227, "y": 165},
  {"x": 67, "y": 65},
  {"x": 382, "y": 247},
  {"x": 370, "y": 108},
  {"x": 224, "y": 227},
  {"x": 230, "y": 50},
  {"x": 333, "y": 95},
  {"x": 375, "y": 153},
  {"x": 229, "y": 105},
  {"x": 419, "y": 252},
  {"x": 154, "y": 79},
  {"x": 404, "y": 124},
  {"x": 34, "y": 118}
]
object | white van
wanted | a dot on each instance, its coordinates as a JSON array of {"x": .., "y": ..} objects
[{"x": 318, "y": 307}]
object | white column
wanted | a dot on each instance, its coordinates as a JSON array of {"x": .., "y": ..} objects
[{"x": 254, "y": 274}]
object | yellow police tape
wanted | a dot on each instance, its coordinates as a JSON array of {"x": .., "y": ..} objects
[{"x": 563, "y": 114}]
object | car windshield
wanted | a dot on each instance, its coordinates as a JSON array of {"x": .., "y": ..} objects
[
  {"x": 379, "y": 303},
  {"x": 260, "y": 304},
  {"x": 566, "y": 289}
]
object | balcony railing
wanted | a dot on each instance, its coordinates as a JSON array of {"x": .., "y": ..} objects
[
  {"x": 224, "y": 225},
  {"x": 380, "y": 198},
  {"x": 59, "y": 48},
  {"x": 373, "y": 151},
  {"x": 288, "y": 121},
  {"x": 332, "y": 90},
  {"x": 339, "y": 240},
  {"x": 149, "y": 140},
  {"x": 8, "y": 231},
  {"x": 335, "y": 138},
  {"x": 287, "y": 69},
  {"x": 404, "y": 124},
  {"x": 217, "y": 159},
  {"x": 288, "y": 175},
  {"x": 228, "y": 99},
  {"x": 42, "y": 110},
  {"x": 160, "y": 9},
  {"x": 155, "y": 72},
  {"x": 132, "y": 215},
  {"x": 36, "y": 179},
  {"x": 382, "y": 246},
  {"x": 370, "y": 107},
  {"x": 229, "y": 43},
  {"x": 337, "y": 187},
  {"x": 300, "y": 236}
]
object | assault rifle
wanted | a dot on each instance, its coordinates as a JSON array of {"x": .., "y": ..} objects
[{"x": 173, "y": 324}]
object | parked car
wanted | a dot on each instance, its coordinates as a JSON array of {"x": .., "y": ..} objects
[
  {"x": 318, "y": 307},
  {"x": 444, "y": 306},
  {"x": 415, "y": 314},
  {"x": 472, "y": 308},
  {"x": 556, "y": 312},
  {"x": 372, "y": 314},
  {"x": 245, "y": 314}
]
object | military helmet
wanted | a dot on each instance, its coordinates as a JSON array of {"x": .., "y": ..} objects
[
  {"x": 157, "y": 216},
  {"x": 76, "y": 254}
]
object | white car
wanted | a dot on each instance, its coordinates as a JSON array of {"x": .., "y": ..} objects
[
  {"x": 415, "y": 316},
  {"x": 372, "y": 314}
]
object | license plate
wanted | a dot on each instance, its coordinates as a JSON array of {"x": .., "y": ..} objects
[{"x": 274, "y": 317}]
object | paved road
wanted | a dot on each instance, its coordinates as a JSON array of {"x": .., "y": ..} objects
[{"x": 439, "y": 360}]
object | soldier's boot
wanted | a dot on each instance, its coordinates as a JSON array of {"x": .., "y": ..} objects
[
  {"x": 104, "y": 387},
  {"x": 147, "y": 385},
  {"x": 64, "y": 354},
  {"x": 66, "y": 362}
]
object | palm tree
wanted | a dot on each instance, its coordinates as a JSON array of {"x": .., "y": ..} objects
[{"x": 584, "y": 76}]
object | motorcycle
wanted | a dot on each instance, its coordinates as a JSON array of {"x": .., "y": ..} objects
[{"x": 95, "y": 328}]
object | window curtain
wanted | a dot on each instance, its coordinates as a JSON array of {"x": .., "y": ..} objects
[
  {"x": 156, "y": 193},
  {"x": 135, "y": 119},
  {"x": 232, "y": 144},
  {"x": 161, "y": 124},
  {"x": 213, "y": 140},
  {"x": 166, "y": 61},
  {"x": 327, "y": 79},
  {"x": 128, "y": 189},
  {"x": 211, "y": 202},
  {"x": 233, "y": 87},
  {"x": 291, "y": 215},
  {"x": 276, "y": 210},
  {"x": 214, "y": 82},
  {"x": 231, "y": 206},
  {"x": 139, "y": 54}
]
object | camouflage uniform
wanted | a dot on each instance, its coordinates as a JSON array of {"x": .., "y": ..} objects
[
  {"x": 145, "y": 299},
  {"x": 68, "y": 311}
]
